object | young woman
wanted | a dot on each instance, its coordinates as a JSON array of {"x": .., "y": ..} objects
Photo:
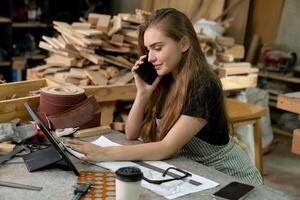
[{"x": 183, "y": 110}]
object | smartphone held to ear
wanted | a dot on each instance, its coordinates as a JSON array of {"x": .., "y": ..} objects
[{"x": 147, "y": 72}]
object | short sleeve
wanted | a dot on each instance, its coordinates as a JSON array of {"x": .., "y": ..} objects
[{"x": 202, "y": 97}]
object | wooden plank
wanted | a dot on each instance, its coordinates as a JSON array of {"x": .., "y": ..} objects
[
  {"x": 112, "y": 71},
  {"x": 179, "y": 5},
  {"x": 93, "y": 18},
  {"x": 50, "y": 42},
  {"x": 117, "y": 25},
  {"x": 296, "y": 142},
  {"x": 123, "y": 62},
  {"x": 96, "y": 77},
  {"x": 223, "y": 72},
  {"x": 265, "y": 22},
  {"x": 202, "y": 11},
  {"x": 275, "y": 76},
  {"x": 59, "y": 60},
  {"x": 216, "y": 9},
  {"x": 208, "y": 9},
  {"x": 21, "y": 88},
  {"x": 225, "y": 40},
  {"x": 157, "y": 4},
  {"x": 107, "y": 111},
  {"x": 53, "y": 70},
  {"x": 238, "y": 26},
  {"x": 4, "y": 147},
  {"x": 84, "y": 82},
  {"x": 289, "y": 102},
  {"x": 60, "y": 41},
  {"x": 225, "y": 57},
  {"x": 113, "y": 60},
  {"x": 146, "y": 5},
  {"x": 253, "y": 49},
  {"x": 77, "y": 73},
  {"x": 238, "y": 51},
  {"x": 35, "y": 73},
  {"x": 48, "y": 47},
  {"x": 14, "y": 108},
  {"x": 239, "y": 82},
  {"x": 122, "y": 79},
  {"x": 101, "y": 130},
  {"x": 236, "y": 64},
  {"x": 112, "y": 92},
  {"x": 81, "y": 25},
  {"x": 96, "y": 59},
  {"x": 72, "y": 36},
  {"x": 90, "y": 32},
  {"x": 103, "y": 23},
  {"x": 117, "y": 39},
  {"x": 131, "y": 18}
]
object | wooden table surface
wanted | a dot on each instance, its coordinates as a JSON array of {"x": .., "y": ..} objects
[{"x": 57, "y": 184}]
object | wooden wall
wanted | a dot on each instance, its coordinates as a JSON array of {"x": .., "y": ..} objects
[
  {"x": 209, "y": 9},
  {"x": 239, "y": 13},
  {"x": 264, "y": 19},
  {"x": 250, "y": 16},
  {"x": 194, "y": 9}
]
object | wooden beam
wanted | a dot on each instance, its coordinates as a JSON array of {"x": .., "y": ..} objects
[
  {"x": 239, "y": 82},
  {"x": 296, "y": 142},
  {"x": 96, "y": 131},
  {"x": 107, "y": 111},
  {"x": 289, "y": 102},
  {"x": 103, "y": 23},
  {"x": 96, "y": 77}
]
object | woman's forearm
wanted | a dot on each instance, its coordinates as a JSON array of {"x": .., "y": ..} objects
[
  {"x": 135, "y": 118},
  {"x": 148, "y": 151}
]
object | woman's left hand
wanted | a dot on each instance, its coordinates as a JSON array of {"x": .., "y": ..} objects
[{"x": 91, "y": 151}]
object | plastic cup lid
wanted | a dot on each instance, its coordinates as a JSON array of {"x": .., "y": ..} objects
[{"x": 129, "y": 174}]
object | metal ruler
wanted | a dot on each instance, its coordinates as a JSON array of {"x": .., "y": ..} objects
[
  {"x": 152, "y": 167},
  {"x": 20, "y": 186}
]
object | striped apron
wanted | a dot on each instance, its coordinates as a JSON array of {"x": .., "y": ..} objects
[{"x": 229, "y": 159}]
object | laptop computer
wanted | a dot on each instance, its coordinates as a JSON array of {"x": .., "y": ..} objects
[{"x": 55, "y": 154}]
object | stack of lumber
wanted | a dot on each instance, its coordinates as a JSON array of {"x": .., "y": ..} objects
[
  {"x": 98, "y": 51},
  {"x": 222, "y": 48},
  {"x": 225, "y": 57},
  {"x": 102, "y": 49},
  {"x": 237, "y": 75}
]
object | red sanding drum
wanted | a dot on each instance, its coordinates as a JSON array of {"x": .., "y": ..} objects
[{"x": 57, "y": 99}]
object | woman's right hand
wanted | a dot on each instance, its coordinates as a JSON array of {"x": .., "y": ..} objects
[{"x": 143, "y": 89}]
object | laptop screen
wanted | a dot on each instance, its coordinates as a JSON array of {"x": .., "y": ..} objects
[{"x": 55, "y": 142}]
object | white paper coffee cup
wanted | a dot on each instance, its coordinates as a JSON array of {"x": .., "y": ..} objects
[{"x": 128, "y": 183}]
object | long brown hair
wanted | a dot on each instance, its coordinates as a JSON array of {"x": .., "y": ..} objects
[{"x": 174, "y": 25}]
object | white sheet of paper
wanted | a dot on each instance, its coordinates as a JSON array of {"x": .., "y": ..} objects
[{"x": 169, "y": 190}]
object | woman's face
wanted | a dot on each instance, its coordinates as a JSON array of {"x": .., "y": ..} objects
[{"x": 163, "y": 52}]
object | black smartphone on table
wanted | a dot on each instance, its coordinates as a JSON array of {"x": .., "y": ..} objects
[
  {"x": 234, "y": 191},
  {"x": 147, "y": 72}
]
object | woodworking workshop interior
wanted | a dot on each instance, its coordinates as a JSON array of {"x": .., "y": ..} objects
[{"x": 149, "y": 99}]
